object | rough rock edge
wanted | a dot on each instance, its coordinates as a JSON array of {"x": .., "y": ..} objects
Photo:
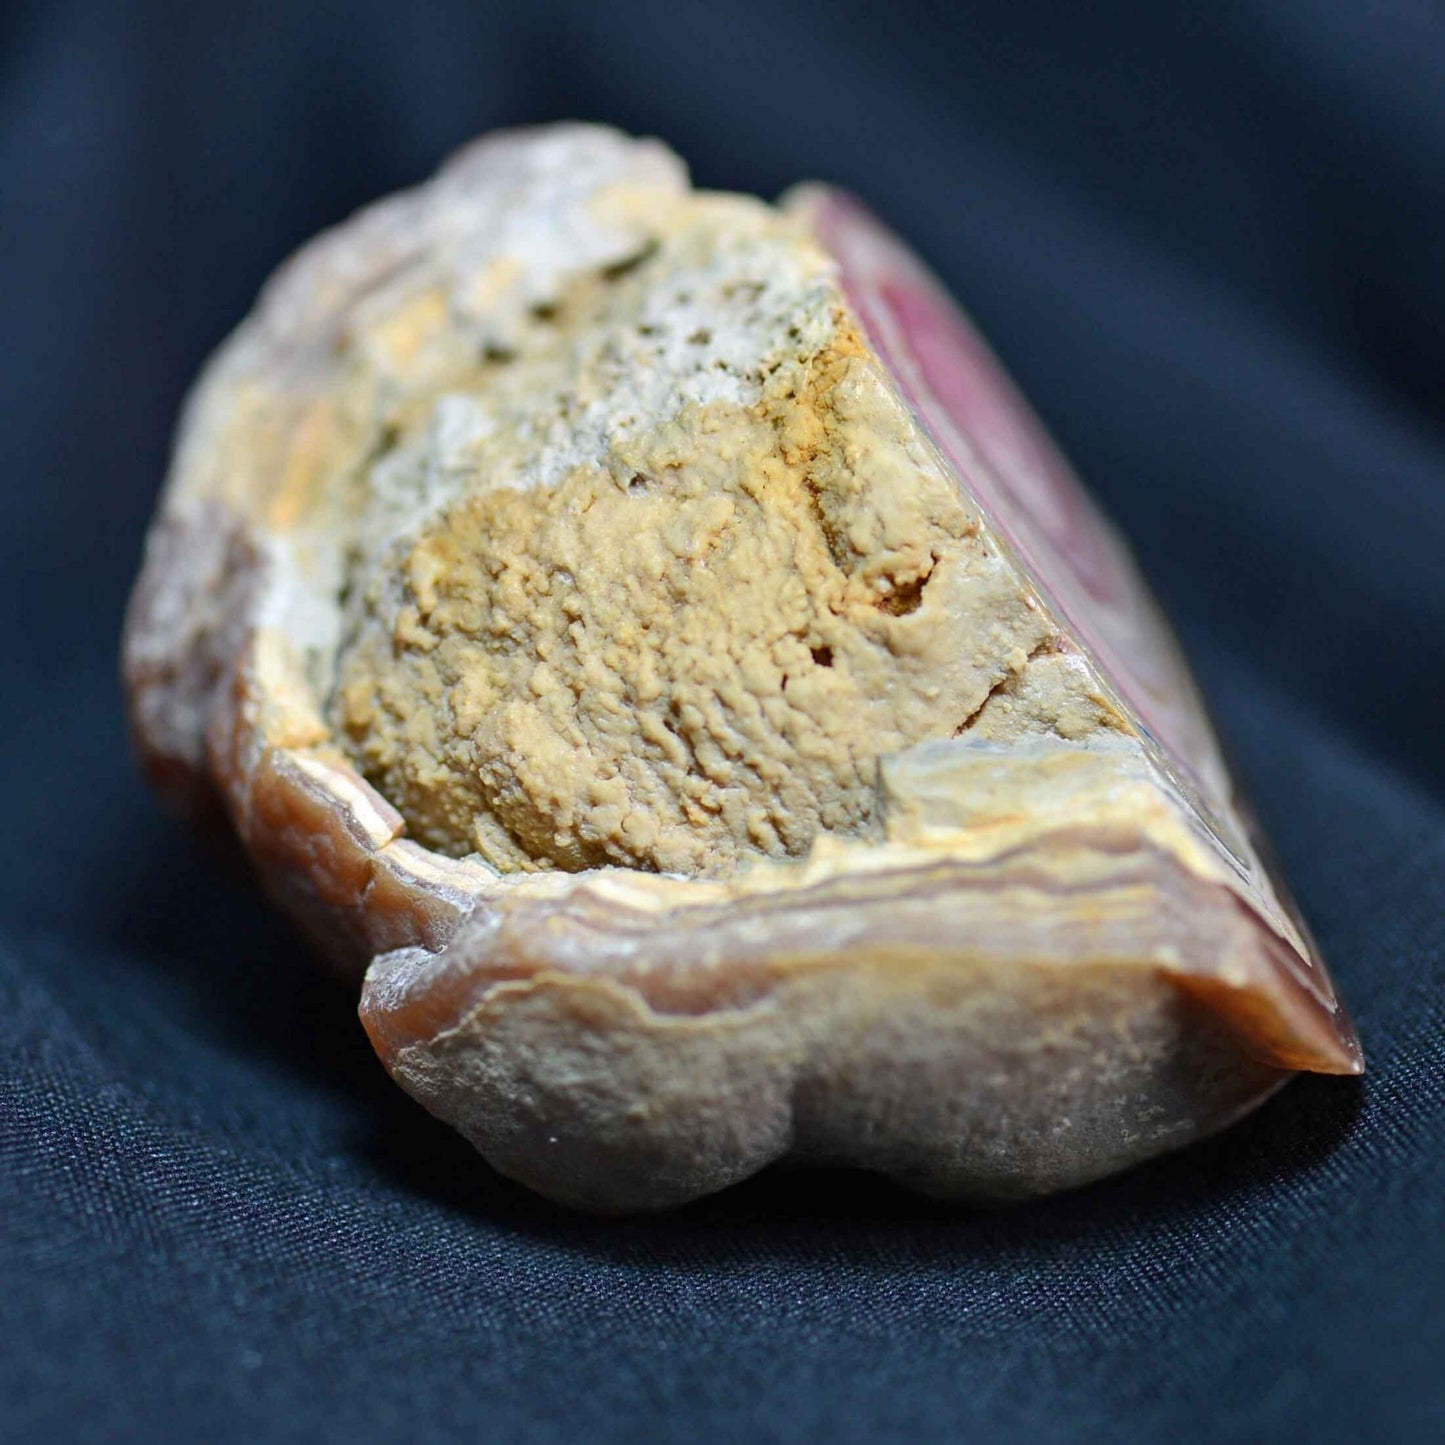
[{"x": 639, "y": 1133}]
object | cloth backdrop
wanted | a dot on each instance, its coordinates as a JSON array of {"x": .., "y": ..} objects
[{"x": 1209, "y": 240}]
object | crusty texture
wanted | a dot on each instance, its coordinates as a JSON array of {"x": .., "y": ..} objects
[
  {"x": 672, "y": 670},
  {"x": 876, "y": 863},
  {"x": 693, "y": 572}
]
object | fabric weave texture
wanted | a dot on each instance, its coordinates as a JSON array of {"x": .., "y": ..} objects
[{"x": 1207, "y": 240}]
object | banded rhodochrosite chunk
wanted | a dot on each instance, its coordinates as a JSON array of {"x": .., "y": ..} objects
[{"x": 641, "y": 635}]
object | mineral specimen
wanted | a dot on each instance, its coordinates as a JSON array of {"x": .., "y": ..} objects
[{"x": 644, "y": 638}]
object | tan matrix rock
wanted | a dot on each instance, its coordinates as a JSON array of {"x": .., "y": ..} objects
[{"x": 641, "y": 631}]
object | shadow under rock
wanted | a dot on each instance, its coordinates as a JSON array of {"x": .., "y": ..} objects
[
  {"x": 187, "y": 909},
  {"x": 188, "y": 906}
]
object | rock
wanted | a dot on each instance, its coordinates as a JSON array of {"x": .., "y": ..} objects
[{"x": 646, "y": 641}]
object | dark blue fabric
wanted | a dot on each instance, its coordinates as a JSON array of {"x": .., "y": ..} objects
[{"x": 1210, "y": 241}]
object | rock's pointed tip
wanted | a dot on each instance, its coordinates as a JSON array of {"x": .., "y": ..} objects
[
  {"x": 1347, "y": 1056},
  {"x": 1302, "y": 1029}
]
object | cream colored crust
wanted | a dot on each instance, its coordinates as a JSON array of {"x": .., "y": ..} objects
[
  {"x": 692, "y": 665},
  {"x": 1001, "y": 910},
  {"x": 659, "y": 585}
]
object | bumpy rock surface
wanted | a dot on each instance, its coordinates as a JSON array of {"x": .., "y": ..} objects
[
  {"x": 647, "y": 625},
  {"x": 680, "y": 569}
]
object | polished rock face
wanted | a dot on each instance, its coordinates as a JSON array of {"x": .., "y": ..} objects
[{"x": 647, "y": 629}]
